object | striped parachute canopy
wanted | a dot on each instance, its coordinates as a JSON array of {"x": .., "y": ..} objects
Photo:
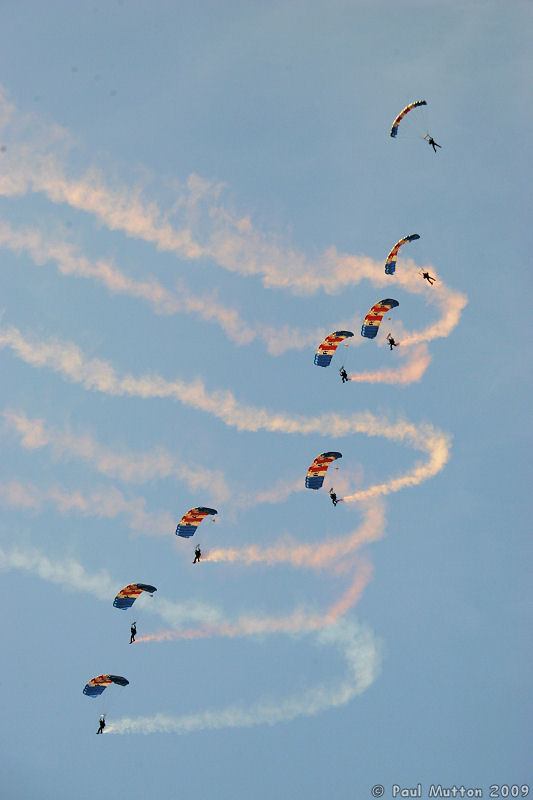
[
  {"x": 401, "y": 115},
  {"x": 190, "y": 521},
  {"x": 97, "y": 685},
  {"x": 390, "y": 265},
  {"x": 374, "y": 317},
  {"x": 317, "y": 471},
  {"x": 129, "y": 594},
  {"x": 326, "y": 349}
]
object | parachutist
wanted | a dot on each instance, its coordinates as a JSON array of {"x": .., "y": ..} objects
[
  {"x": 102, "y": 724},
  {"x": 392, "y": 342},
  {"x": 197, "y": 555},
  {"x": 344, "y": 374},
  {"x": 429, "y": 278},
  {"x": 133, "y": 631},
  {"x": 432, "y": 142},
  {"x": 333, "y": 496}
]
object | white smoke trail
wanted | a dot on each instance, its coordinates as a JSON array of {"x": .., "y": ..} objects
[
  {"x": 42, "y": 249},
  {"x": 68, "y": 573},
  {"x": 208, "y": 230},
  {"x": 409, "y": 372},
  {"x": 71, "y": 575},
  {"x": 208, "y": 621},
  {"x": 128, "y": 466},
  {"x": 97, "y": 374},
  {"x": 357, "y": 645},
  {"x": 106, "y": 503}
]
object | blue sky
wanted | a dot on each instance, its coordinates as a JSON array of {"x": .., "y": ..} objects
[{"x": 191, "y": 197}]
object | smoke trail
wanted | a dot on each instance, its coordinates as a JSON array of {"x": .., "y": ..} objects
[
  {"x": 316, "y": 555},
  {"x": 208, "y": 229},
  {"x": 298, "y": 621},
  {"x": 70, "y": 262},
  {"x": 70, "y": 574},
  {"x": 106, "y": 503},
  {"x": 208, "y": 620},
  {"x": 229, "y": 239},
  {"x": 357, "y": 645},
  {"x": 128, "y": 466},
  {"x": 67, "y": 573},
  {"x": 97, "y": 374},
  {"x": 409, "y": 373},
  {"x": 41, "y": 249}
]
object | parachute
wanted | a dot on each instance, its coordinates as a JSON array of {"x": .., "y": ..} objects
[
  {"x": 326, "y": 349},
  {"x": 97, "y": 685},
  {"x": 317, "y": 471},
  {"x": 190, "y": 521},
  {"x": 401, "y": 115},
  {"x": 390, "y": 265},
  {"x": 375, "y": 315},
  {"x": 129, "y": 594}
]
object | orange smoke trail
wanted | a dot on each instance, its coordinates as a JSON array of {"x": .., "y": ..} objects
[
  {"x": 315, "y": 556},
  {"x": 409, "y": 373},
  {"x": 296, "y": 622}
]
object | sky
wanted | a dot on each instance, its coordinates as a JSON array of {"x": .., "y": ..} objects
[{"x": 192, "y": 196}]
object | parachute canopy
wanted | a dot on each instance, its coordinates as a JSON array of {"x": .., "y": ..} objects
[
  {"x": 401, "y": 115},
  {"x": 327, "y": 348},
  {"x": 390, "y": 265},
  {"x": 190, "y": 521},
  {"x": 374, "y": 317},
  {"x": 317, "y": 471},
  {"x": 129, "y": 594},
  {"x": 97, "y": 685}
]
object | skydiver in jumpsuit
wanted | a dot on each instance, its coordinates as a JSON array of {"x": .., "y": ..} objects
[
  {"x": 102, "y": 724},
  {"x": 392, "y": 342},
  {"x": 432, "y": 142},
  {"x": 133, "y": 631}
]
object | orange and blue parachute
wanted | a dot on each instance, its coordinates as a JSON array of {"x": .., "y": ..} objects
[
  {"x": 401, "y": 115},
  {"x": 190, "y": 521},
  {"x": 97, "y": 685},
  {"x": 129, "y": 594},
  {"x": 317, "y": 471},
  {"x": 326, "y": 349},
  {"x": 390, "y": 265},
  {"x": 375, "y": 315}
]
